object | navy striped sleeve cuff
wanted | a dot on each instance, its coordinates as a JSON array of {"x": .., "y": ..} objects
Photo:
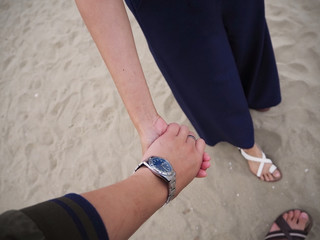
[{"x": 68, "y": 217}]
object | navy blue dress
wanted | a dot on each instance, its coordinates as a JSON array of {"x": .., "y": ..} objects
[{"x": 218, "y": 60}]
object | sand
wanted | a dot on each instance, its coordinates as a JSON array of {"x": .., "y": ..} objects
[{"x": 64, "y": 127}]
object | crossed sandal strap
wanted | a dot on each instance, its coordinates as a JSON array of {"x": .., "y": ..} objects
[
  {"x": 285, "y": 232},
  {"x": 262, "y": 161},
  {"x": 293, "y": 235}
]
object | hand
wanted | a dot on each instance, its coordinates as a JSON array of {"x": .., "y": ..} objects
[
  {"x": 185, "y": 154},
  {"x": 158, "y": 128},
  {"x": 204, "y": 166},
  {"x": 205, "y": 163}
]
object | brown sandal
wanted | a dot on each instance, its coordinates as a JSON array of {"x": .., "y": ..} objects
[{"x": 286, "y": 232}]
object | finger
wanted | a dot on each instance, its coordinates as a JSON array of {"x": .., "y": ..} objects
[
  {"x": 205, "y": 165},
  {"x": 192, "y": 133},
  {"x": 173, "y": 128},
  {"x": 184, "y": 131},
  {"x": 201, "y": 174},
  {"x": 206, "y": 157},
  {"x": 200, "y": 145},
  {"x": 192, "y": 139}
]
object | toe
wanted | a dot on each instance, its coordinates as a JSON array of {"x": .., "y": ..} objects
[
  {"x": 290, "y": 216},
  {"x": 303, "y": 221},
  {"x": 276, "y": 174},
  {"x": 293, "y": 222},
  {"x": 271, "y": 177},
  {"x": 268, "y": 177},
  {"x": 296, "y": 215},
  {"x": 274, "y": 227},
  {"x": 296, "y": 219}
]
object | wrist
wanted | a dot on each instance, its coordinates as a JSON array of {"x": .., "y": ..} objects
[
  {"x": 163, "y": 170},
  {"x": 151, "y": 130},
  {"x": 152, "y": 187},
  {"x": 147, "y": 124}
]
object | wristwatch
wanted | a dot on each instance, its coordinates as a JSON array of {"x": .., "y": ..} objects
[{"x": 163, "y": 169}]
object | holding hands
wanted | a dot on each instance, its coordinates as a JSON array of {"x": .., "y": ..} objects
[{"x": 185, "y": 153}]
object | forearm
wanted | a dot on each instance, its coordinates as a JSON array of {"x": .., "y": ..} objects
[
  {"x": 125, "y": 206},
  {"x": 121, "y": 208},
  {"x": 109, "y": 26},
  {"x": 116, "y": 211}
]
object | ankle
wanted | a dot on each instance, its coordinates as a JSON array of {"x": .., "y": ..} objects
[{"x": 254, "y": 151}]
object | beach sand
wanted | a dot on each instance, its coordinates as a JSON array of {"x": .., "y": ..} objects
[{"x": 64, "y": 127}]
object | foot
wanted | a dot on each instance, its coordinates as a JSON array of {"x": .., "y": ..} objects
[
  {"x": 255, "y": 151},
  {"x": 296, "y": 219}
]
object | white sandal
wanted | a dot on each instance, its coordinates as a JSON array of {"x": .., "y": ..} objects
[{"x": 262, "y": 161}]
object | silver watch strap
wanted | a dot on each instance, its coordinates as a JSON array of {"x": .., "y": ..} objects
[
  {"x": 171, "y": 184},
  {"x": 172, "y": 190}
]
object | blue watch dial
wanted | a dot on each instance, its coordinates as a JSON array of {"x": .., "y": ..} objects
[
  {"x": 163, "y": 169},
  {"x": 160, "y": 164}
]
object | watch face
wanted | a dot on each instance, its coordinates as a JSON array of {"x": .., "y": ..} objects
[{"x": 161, "y": 165}]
